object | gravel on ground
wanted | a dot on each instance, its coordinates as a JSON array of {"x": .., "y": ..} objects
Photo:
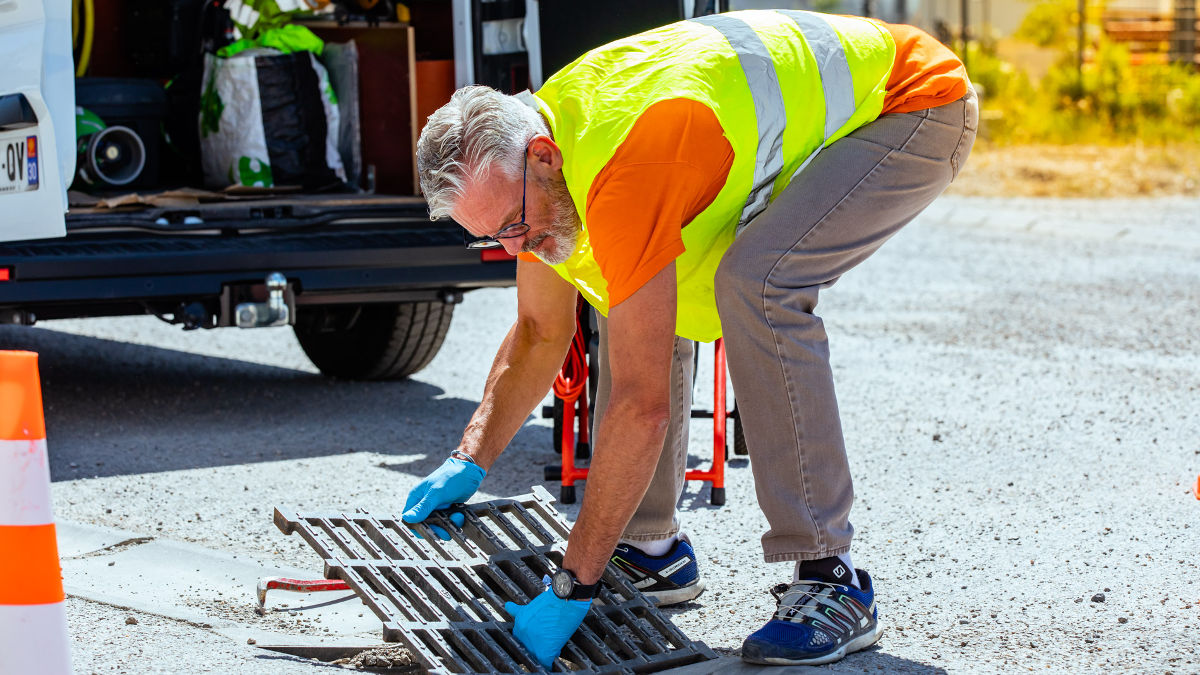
[{"x": 1019, "y": 386}]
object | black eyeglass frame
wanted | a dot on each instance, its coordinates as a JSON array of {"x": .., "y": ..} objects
[{"x": 508, "y": 231}]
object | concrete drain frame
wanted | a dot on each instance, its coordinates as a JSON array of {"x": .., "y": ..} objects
[{"x": 444, "y": 600}]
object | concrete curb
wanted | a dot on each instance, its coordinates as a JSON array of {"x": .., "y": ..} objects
[
  {"x": 181, "y": 581},
  {"x": 170, "y": 578}
]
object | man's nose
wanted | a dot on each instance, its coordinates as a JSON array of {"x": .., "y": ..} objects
[{"x": 513, "y": 244}]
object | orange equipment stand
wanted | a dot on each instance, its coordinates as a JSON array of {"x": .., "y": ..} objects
[{"x": 572, "y": 426}]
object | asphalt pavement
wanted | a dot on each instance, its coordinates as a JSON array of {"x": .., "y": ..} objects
[{"x": 1020, "y": 392}]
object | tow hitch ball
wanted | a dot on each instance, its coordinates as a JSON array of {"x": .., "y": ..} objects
[{"x": 273, "y": 312}]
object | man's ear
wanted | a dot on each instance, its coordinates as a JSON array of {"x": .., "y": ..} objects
[{"x": 543, "y": 149}]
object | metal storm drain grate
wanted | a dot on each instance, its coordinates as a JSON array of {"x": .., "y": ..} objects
[{"x": 444, "y": 600}]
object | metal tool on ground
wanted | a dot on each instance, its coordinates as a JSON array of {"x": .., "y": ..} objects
[
  {"x": 571, "y": 414},
  {"x": 297, "y": 586},
  {"x": 444, "y": 600}
]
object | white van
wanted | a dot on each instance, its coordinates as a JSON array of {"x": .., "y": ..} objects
[{"x": 367, "y": 282}]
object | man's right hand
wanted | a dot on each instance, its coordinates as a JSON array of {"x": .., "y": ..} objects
[
  {"x": 546, "y": 624},
  {"x": 453, "y": 482}
]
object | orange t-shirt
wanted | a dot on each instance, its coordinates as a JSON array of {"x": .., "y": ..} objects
[
  {"x": 925, "y": 74},
  {"x": 669, "y": 168},
  {"x": 676, "y": 159}
]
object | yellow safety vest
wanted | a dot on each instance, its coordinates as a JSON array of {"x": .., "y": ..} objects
[{"x": 782, "y": 84}]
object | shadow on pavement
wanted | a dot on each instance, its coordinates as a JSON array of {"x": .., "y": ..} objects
[
  {"x": 874, "y": 659},
  {"x": 869, "y": 660},
  {"x": 114, "y": 408}
]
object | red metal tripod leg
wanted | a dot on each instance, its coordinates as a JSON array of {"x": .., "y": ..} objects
[
  {"x": 716, "y": 474},
  {"x": 567, "y": 489},
  {"x": 570, "y": 472},
  {"x": 719, "y": 417},
  {"x": 570, "y": 387}
]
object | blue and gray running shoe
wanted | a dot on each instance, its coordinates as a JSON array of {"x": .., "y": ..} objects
[
  {"x": 670, "y": 579},
  {"x": 817, "y": 622}
]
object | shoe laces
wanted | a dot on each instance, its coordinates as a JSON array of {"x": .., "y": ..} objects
[{"x": 806, "y": 590}]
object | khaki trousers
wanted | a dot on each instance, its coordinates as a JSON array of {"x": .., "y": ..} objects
[{"x": 852, "y": 198}]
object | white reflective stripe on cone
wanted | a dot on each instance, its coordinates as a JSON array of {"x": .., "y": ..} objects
[
  {"x": 24, "y": 484},
  {"x": 33, "y": 640}
]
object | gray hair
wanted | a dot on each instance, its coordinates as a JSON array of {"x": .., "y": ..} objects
[{"x": 480, "y": 128}]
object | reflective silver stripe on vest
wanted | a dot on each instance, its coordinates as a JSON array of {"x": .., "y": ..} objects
[
  {"x": 769, "y": 112},
  {"x": 834, "y": 68},
  {"x": 836, "y": 83}
]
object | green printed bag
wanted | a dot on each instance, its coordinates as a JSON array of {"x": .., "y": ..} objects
[{"x": 268, "y": 119}]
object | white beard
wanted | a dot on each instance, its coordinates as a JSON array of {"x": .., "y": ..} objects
[{"x": 564, "y": 231}]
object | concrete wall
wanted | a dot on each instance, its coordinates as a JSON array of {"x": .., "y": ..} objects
[
  {"x": 888, "y": 10},
  {"x": 1003, "y": 15}
]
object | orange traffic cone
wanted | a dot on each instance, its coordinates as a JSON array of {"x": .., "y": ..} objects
[{"x": 33, "y": 622}]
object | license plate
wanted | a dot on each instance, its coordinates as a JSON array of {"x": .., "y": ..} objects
[{"x": 19, "y": 161}]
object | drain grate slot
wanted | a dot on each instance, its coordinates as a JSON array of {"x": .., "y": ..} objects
[{"x": 444, "y": 600}]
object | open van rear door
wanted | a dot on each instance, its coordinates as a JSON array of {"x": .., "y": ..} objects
[{"x": 37, "y": 110}]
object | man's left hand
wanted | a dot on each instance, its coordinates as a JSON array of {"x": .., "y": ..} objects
[{"x": 546, "y": 623}]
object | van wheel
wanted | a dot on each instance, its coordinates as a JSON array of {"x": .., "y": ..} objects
[{"x": 374, "y": 341}]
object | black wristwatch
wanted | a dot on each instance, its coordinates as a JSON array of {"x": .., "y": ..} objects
[{"x": 567, "y": 587}]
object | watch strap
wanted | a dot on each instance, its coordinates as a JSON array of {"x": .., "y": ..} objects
[
  {"x": 579, "y": 591},
  {"x": 585, "y": 591}
]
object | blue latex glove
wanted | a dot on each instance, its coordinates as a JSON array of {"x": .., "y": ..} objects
[
  {"x": 453, "y": 482},
  {"x": 546, "y": 623},
  {"x": 456, "y": 518}
]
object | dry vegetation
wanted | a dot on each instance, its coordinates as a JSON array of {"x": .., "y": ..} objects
[
  {"x": 1120, "y": 124},
  {"x": 1080, "y": 171}
]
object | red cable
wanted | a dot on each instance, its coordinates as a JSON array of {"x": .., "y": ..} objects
[{"x": 573, "y": 377}]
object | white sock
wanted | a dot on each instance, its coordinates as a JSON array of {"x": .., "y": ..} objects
[
  {"x": 845, "y": 558},
  {"x": 656, "y": 547}
]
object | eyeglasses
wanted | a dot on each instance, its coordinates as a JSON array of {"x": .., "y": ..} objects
[{"x": 508, "y": 231}]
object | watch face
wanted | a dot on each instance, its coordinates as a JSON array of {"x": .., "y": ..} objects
[{"x": 563, "y": 584}]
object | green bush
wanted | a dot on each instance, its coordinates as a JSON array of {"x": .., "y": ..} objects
[
  {"x": 1114, "y": 101},
  {"x": 1048, "y": 23}
]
